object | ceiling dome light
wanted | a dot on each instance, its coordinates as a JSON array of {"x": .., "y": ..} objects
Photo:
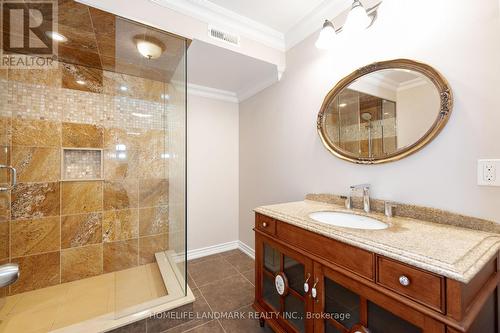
[
  {"x": 56, "y": 36},
  {"x": 80, "y": 82},
  {"x": 149, "y": 47},
  {"x": 358, "y": 19},
  {"x": 326, "y": 36}
]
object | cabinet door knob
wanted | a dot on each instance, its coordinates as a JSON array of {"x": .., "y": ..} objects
[
  {"x": 314, "y": 291},
  {"x": 404, "y": 280},
  {"x": 306, "y": 283},
  {"x": 264, "y": 224}
]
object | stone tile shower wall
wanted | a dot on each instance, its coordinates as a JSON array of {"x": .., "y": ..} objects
[{"x": 60, "y": 231}]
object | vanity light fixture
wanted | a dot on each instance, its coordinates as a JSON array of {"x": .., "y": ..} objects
[
  {"x": 326, "y": 36},
  {"x": 358, "y": 19},
  {"x": 149, "y": 47},
  {"x": 56, "y": 36}
]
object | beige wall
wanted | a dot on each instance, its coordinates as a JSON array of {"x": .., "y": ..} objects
[
  {"x": 281, "y": 155},
  {"x": 212, "y": 172}
]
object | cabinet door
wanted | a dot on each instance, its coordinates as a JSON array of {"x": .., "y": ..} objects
[
  {"x": 336, "y": 308},
  {"x": 344, "y": 305},
  {"x": 287, "y": 303}
]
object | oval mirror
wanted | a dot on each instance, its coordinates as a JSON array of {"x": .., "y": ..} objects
[{"x": 384, "y": 111}]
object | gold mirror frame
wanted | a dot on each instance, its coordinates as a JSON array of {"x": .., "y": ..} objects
[{"x": 446, "y": 106}]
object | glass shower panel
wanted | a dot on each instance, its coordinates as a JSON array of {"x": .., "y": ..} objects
[
  {"x": 349, "y": 121},
  {"x": 150, "y": 114},
  {"x": 99, "y": 144}
]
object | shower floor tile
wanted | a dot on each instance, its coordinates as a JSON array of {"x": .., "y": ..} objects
[{"x": 58, "y": 306}]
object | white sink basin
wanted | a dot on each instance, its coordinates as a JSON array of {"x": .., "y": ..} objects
[{"x": 348, "y": 220}]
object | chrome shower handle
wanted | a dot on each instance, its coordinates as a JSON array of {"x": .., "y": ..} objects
[
  {"x": 13, "y": 177},
  {"x": 9, "y": 273}
]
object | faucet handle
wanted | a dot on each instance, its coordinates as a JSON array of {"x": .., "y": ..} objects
[
  {"x": 360, "y": 186},
  {"x": 388, "y": 208},
  {"x": 348, "y": 202}
]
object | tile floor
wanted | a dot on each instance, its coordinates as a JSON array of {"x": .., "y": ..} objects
[
  {"x": 65, "y": 304},
  {"x": 221, "y": 282}
]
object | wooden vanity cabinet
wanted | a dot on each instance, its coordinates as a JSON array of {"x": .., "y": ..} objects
[{"x": 359, "y": 291}]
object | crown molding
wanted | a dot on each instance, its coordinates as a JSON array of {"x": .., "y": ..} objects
[
  {"x": 229, "y": 96},
  {"x": 207, "y": 92},
  {"x": 378, "y": 79},
  {"x": 221, "y": 17},
  {"x": 412, "y": 84}
]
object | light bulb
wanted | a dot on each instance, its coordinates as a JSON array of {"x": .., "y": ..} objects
[
  {"x": 357, "y": 20},
  {"x": 326, "y": 36}
]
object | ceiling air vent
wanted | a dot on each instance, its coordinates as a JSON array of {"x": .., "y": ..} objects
[{"x": 224, "y": 36}]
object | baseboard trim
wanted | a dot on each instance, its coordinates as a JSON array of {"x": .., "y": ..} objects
[
  {"x": 209, "y": 250},
  {"x": 219, "y": 248},
  {"x": 246, "y": 249}
]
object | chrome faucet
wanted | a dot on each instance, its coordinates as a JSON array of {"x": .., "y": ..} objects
[{"x": 366, "y": 196}]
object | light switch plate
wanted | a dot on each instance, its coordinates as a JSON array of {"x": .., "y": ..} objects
[{"x": 488, "y": 172}]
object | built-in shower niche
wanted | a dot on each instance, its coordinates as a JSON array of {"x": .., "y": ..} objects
[{"x": 82, "y": 164}]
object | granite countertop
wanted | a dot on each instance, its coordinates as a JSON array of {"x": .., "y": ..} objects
[{"x": 455, "y": 252}]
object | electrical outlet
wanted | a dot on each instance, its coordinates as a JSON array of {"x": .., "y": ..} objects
[{"x": 487, "y": 172}]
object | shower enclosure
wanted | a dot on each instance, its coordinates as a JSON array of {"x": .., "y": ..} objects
[
  {"x": 364, "y": 124},
  {"x": 95, "y": 216}
]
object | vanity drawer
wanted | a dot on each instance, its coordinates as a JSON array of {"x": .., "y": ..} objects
[
  {"x": 265, "y": 223},
  {"x": 424, "y": 287},
  {"x": 354, "y": 259}
]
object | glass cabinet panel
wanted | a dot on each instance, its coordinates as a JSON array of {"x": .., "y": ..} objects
[
  {"x": 271, "y": 259},
  {"x": 382, "y": 321},
  {"x": 342, "y": 304},
  {"x": 294, "y": 271},
  {"x": 270, "y": 295},
  {"x": 295, "y": 312},
  {"x": 329, "y": 328}
]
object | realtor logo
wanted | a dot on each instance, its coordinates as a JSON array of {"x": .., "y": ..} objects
[{"x": 25, "y": 33}]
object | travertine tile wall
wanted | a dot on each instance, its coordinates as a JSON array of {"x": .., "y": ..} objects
[{"x": 60, "y": 231}]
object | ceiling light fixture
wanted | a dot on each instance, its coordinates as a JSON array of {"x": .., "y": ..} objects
[
  {"x": 56, "y": 36},
  {"x": 123, "y": 88},
  {"x": 149, "y": 47},
  {"x": 80, "y": 82},
  {"x": 326, "y": 36},
  {"x": 358, "y": 19}
]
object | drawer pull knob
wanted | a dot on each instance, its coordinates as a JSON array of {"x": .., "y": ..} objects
[
  {"x": 264, "y": 224},
  {"x": 404, "y": 280}
]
